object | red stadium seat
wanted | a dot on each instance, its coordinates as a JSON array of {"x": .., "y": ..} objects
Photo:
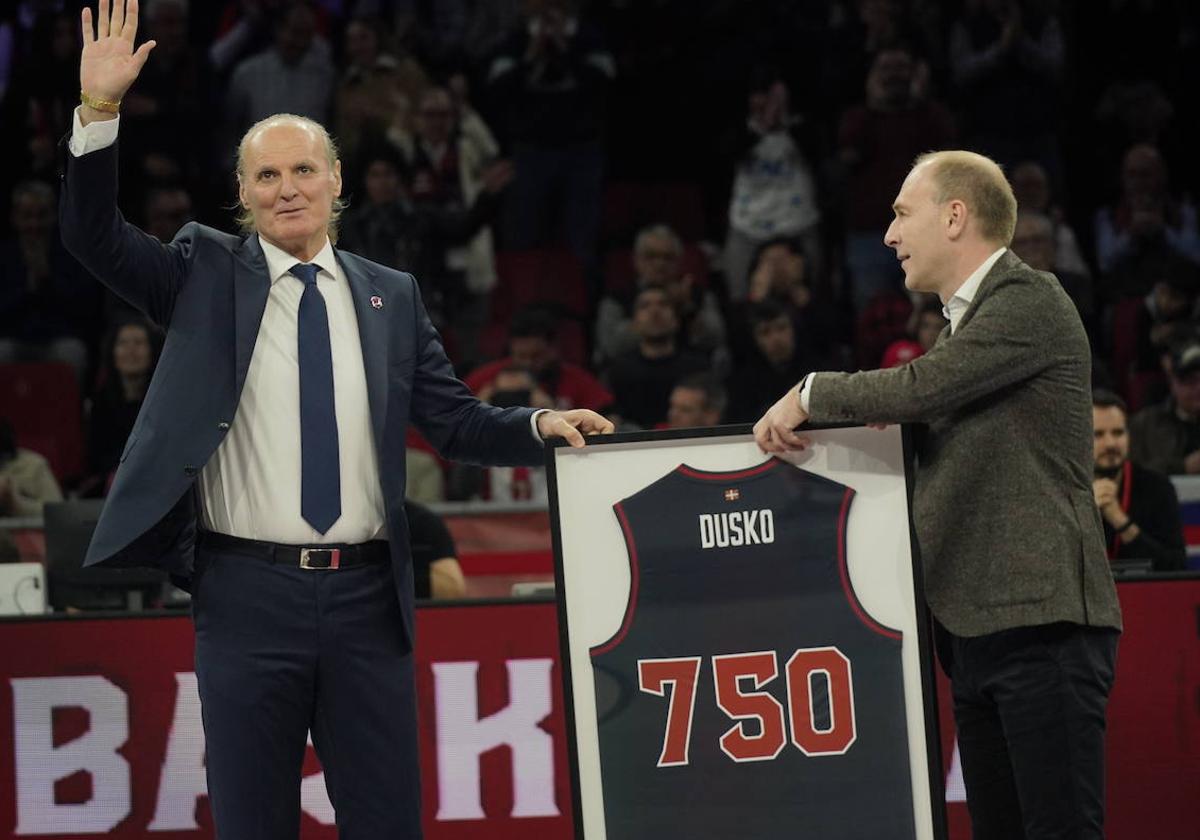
[
  {"x": 631, "y": 205},
  {"x": 883, "y": 321},
  {"x": 680, "y": 205},
  {"x": 551, "y": 277},
  {"x": 1124, "y": 344},
  {"x": 41, "y": 400}
]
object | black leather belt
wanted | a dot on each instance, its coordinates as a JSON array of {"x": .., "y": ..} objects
[{"x": 335, "y": 556}]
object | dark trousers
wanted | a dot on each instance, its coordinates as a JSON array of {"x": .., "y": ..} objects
[
  {"x": 1029, "y": 705},
  {"x": 282, "y": 651}
]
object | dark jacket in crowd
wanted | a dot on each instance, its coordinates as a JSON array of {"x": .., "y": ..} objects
[
  {"x": 643, "y": 386},
  {"x": 1154, "y": 507},
  {"x": 1160, "y": 439}
]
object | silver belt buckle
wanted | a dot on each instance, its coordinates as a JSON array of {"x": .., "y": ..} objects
[{"x": 320, "y": 558}]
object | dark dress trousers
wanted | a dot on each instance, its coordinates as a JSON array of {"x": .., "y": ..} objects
[
  {"x": 280, "y": 650},
  {"x": 1013, "y": 552}
]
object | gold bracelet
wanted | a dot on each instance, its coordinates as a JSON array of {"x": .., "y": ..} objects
[{"x": 104, "y": 105}]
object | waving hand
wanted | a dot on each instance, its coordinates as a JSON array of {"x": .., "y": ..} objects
[{"x": 109, "y": 63}]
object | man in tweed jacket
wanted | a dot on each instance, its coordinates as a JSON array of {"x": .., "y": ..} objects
[{"x": 1015, "y": 569}]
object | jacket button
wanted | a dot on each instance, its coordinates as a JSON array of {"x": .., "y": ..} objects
[
  {"x": 223, "y": 426},
  {"x": 190, "y": 470}
]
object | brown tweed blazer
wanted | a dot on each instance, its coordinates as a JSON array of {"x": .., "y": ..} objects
[{"x": 1008, "y": 528}]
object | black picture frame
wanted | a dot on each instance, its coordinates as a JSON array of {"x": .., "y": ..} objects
[{"x": 924, "y": 622}]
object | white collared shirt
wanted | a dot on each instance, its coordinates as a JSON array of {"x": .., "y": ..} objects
[
  {"x": 960, "y": 301},
  {"x": 251, "y": 486}
]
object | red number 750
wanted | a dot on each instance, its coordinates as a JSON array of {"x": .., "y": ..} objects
[{"x": 742, "y": 704}]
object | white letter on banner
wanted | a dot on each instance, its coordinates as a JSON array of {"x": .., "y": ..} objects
[
  {"x": 183, "y": 780},
  {"x": 462, "y": 737},
  {"x": 39, "y": 764}
]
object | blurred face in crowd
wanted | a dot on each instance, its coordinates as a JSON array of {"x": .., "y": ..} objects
[
  {"x": 517, "y": 387},
  {"x": 1143, "y": 172},
  {"x": 382, "y": 182},
  {"x": 1170, "y": 302},
  {"x": 532, "y": 353},
  {"x": 929, "y": 327},
  {"x": 1111, "y": 442},
  {"x": 776, "y": 339},
  {"x": 1185, "y": 389},
  {"x": 918, "y": 233},
  {"x": 289, "y": 186},
  {"x": 295, "y": 34},
  {"x": 131, "y": 351},
  {"x": 33, "y": 215},
  {"x": 435, "y": 116},
  {"x": 688, "y": 409},
  {"x": 514, "y": 380},
  {"x": 657, "y": 260},
  {"x": 1031, "y": 186},
  {"x": 654, "y": 317},
  {"x": 362, "y": 43},
  {"x": 1033, "y": 242},
  {"x": 167, "y": 211},
  {"x": 784, "y": 264},
  {"x": 892, "y": 76}
]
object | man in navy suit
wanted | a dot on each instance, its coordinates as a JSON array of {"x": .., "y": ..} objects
[{"x": 266, "y": 468}]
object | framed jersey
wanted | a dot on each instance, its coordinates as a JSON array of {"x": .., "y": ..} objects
[{"x": 744, "y": 646}]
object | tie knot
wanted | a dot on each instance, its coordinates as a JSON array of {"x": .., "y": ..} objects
[{"x": 306, "y": 272}]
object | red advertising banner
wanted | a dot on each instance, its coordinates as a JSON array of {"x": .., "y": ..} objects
[
  {"x": 100, "y": 726},
  {"x": 100, "y": 729}
]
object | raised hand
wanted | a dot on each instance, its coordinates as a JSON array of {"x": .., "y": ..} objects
[{"x": 109, "y": 63}]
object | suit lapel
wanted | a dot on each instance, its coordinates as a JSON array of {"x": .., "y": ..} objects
[
  {"x": 373, "y": 334},
  {"x": 251, "y": 285}
]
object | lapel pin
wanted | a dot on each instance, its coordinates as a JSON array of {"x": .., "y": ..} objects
[{"x": 377, "y": 301}]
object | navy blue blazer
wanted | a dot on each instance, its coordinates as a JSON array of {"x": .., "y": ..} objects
[{"x": 209, "y": 290}]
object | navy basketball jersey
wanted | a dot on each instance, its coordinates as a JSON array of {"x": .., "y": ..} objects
[{"x": 747, "y": 694}]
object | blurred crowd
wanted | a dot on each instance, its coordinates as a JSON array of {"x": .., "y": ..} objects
[{"x": 665, "y": 210}]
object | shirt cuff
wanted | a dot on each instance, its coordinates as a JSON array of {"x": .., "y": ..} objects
[
  {"x": 533, "y": 418},
  {"x": 805, "y": 393},
  {"x": 92, "y": 137}
]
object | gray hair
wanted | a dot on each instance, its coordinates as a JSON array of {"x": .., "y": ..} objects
[
  {"x": 245, "y": 218},
  {"x": 1044, "y": 223},
  {"x": 658, "y": 231}
]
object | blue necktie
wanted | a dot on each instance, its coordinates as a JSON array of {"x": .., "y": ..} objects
[{"x": 320, "y": 479}]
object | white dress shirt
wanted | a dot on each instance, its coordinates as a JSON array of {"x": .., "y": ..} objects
[
  {"x": 251, "y": 486},
  {"x": 953, "y": 309},
  {"x": 960, "y": 301}
]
